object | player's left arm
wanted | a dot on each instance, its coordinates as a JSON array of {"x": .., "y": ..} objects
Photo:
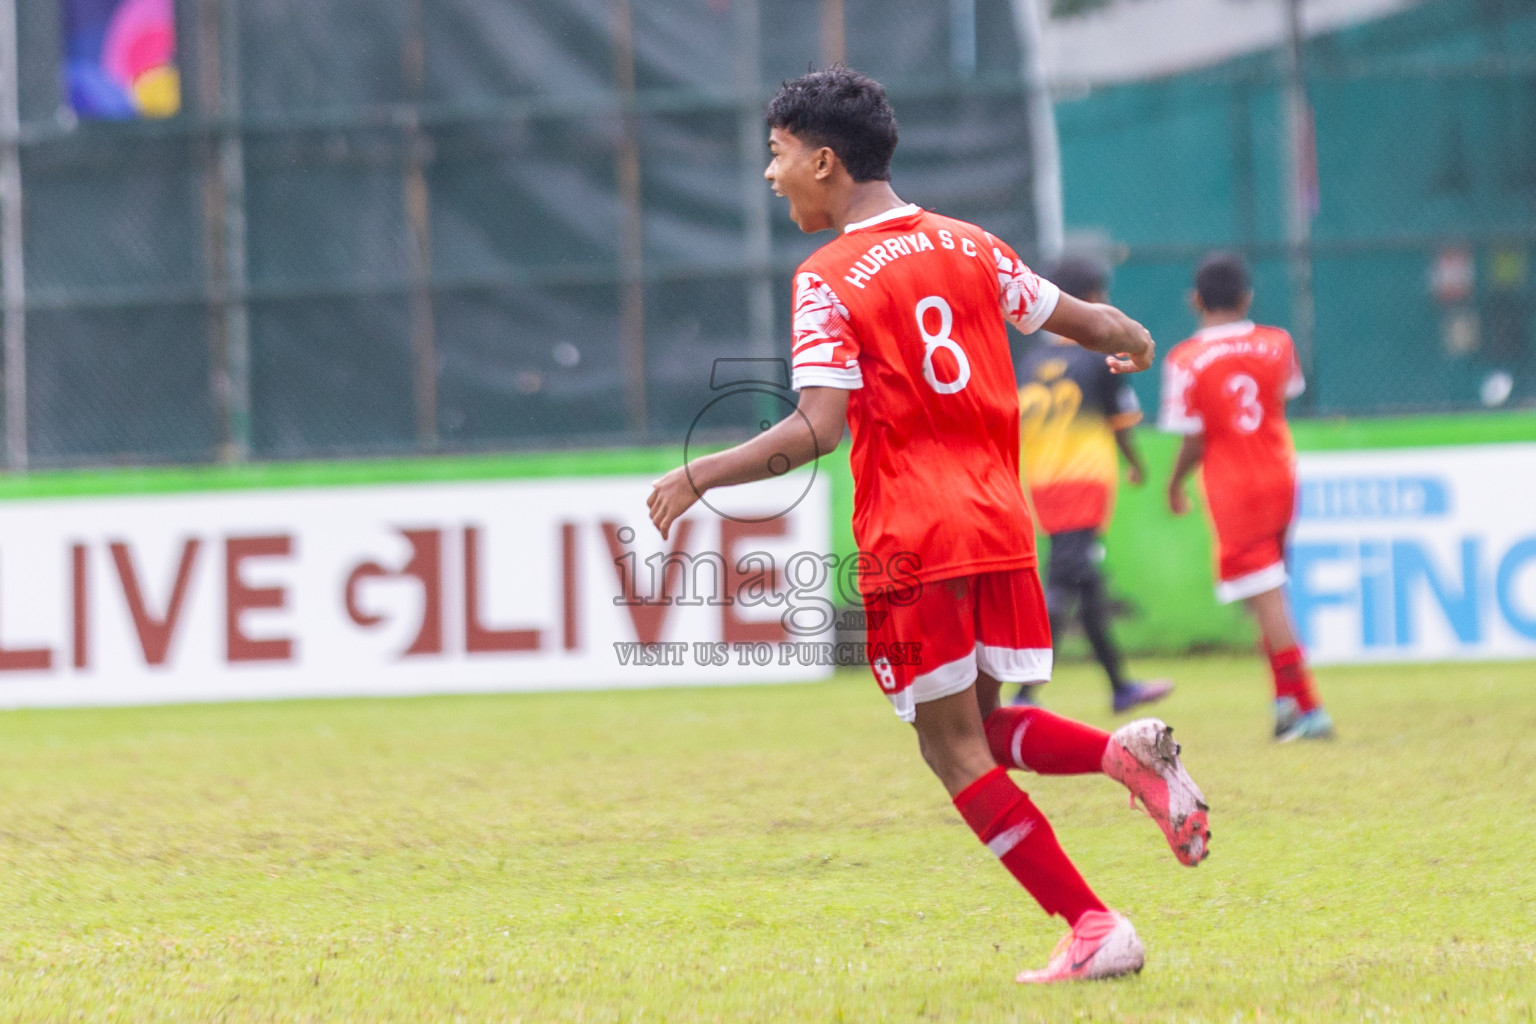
[
  {"x": 811, "y": 431},
  {"x": 1102, "y": 328}
]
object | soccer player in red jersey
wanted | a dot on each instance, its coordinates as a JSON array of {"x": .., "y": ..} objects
[
  {"x": 900, "y": 333},
  {"x": 1225, "y": 390}
]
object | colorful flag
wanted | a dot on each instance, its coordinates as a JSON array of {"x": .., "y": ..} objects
[{"x": 120, "y": 58}]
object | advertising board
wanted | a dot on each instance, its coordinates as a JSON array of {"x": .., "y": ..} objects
[
  {"x": 409, "y": 589},
  {"x": 1423, "y": 554}
]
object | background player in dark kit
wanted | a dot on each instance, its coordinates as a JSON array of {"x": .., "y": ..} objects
[{"x": 1075, "y": 413}]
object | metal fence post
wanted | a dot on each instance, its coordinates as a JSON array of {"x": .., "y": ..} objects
[
  {"x": 962, "y": 38},
  {"x": 834, "y": 33},
  {"x": 13, "y": 288},
  {"x": 757, "y": 238},
  {"x": 750, "y": 139},
  {"x": 418, "y": 220},
  {"x": 224, "y": 225},
  {"x": 1301, "y": 195},
  {"x": 631, "y": 219},
  {"x": 232, "y": 171},
  {"x": 1045, "y": 147}
]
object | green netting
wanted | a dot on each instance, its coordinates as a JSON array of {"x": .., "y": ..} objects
[
  {"x": 1426, "y": 145},
  {"x": 434, "y": 220}
]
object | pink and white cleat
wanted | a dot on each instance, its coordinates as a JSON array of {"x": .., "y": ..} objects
[
  {"x": 1143, "y": 756},
  {"x": 1101, "y": 945}
]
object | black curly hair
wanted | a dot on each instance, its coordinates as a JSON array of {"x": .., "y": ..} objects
[
  {"x": 1222, "y": 281},
  {"x": 844, "y": 110}
]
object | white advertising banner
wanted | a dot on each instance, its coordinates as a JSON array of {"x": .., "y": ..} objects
[
  {"x": 1417, "y": 554},
  {"x": 409, "y": 589}
]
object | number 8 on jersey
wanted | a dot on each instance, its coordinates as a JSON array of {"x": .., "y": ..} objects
[{"x": 934, "y": 342}]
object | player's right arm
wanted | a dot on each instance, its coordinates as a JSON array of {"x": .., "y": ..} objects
[
  {"x": 825, "y": 360},
  {"x": 1190, "y": 454},
  {"x": 1181, "y": 414},
  {"x": 811, "y": 431},
  {"x": 1104, "y": 329}
]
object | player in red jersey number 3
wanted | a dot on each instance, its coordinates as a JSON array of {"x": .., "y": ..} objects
[
  {"x": 900, "y": 332},
  {"x": 1225, "y": 390}
]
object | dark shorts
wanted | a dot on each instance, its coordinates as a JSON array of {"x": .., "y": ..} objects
[{"x": 1075, "y": 557}]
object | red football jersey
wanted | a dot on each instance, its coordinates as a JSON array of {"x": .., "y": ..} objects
[
  {"x": 1231, "y": 383},
  {"x": 907, "y": 311}
]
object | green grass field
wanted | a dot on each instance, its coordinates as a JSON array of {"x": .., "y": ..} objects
[{"x": 770, "y": 853}]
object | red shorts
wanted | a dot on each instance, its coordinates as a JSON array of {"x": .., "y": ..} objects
[
  {"x": 1251, "y": 523},
  {"x": 1251, "y": 566},
  {"x": 930, "y": 642}
]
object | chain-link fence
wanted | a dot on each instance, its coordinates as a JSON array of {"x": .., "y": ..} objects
[
  {"x": 401, "y": 226},
  {"x": 1422, "y": 253},
  {"x": 389, "y": 226}
]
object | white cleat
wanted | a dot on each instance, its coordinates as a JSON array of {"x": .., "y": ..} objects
[
  {"x": 1101, "y": 945},
  {"x": 1143, "y": 757}
]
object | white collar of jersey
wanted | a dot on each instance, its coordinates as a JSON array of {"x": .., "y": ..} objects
[
  {"x": 880, "y": 218},
  {"x": 1233, "y": 330}
]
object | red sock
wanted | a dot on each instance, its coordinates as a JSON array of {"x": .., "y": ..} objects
[
  {"x": 1013, "y": 828},
  {"x": 1289, "y": 668},
  {"x": 1038, "y": 741}
]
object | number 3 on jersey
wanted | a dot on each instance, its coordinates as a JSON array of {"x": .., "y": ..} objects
[
  {"x": 934, "y": 342},
  {"x": 1249, "y": 413}
]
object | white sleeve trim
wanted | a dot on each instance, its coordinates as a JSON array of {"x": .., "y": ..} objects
[
  {"x": 1172, "y": 423},
  {"x": 849, "y": 379},
  {"x": 1296, "y": 385},
  {"x": 1045, "y": 305},
  {"x": 1173, "y": 415}
]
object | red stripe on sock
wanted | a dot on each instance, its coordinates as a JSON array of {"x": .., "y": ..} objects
[
  {"x": 1048, "y": 745},
  {"x": 997, "y": 809},
  {"x": 1292, "y": 679}
]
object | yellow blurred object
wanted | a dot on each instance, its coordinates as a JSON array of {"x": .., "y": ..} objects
[
  {"x": 1509, "y": 267},
  {"x": 157, "y": 92}
]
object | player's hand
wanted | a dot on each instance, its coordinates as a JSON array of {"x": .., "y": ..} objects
[
  {"x": 1135, "y": 475},
  {"x": 1134, "y": 362},
  {"x": 671, "y": 496},
  {"x": 1178, "y": 501}
]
